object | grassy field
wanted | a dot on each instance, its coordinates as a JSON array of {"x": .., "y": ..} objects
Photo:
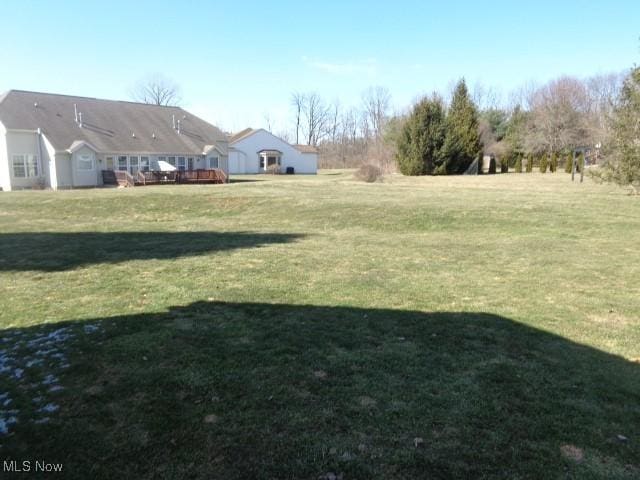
[{"x": 318, "y": 327}]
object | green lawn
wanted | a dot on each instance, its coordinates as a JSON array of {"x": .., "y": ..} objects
[{"x": 299, "y": 327}]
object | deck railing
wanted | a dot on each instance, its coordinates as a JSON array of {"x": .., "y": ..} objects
[{"x": 124, "y": 179}]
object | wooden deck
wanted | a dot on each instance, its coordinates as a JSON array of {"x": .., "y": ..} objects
[{"x": 123, "y": 178}]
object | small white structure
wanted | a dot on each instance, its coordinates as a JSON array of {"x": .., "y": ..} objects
[{"x": 257, "y": 151}]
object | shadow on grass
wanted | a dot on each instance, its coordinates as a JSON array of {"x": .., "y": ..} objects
[
  {"x": 56, "y": 251},
  {"x": 242, "y": 391},
  {"x": 244, "y": 180}
]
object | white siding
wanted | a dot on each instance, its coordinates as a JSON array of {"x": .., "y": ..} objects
[
  {"x": 243, "y": 158},
  {"x": 84, "y": 178},
  {"x": 23, "y": 143},
  {"x": 5, "y": 182},
  {"x": 63, "y": 170},
  {"x": 48, "y": 162}
]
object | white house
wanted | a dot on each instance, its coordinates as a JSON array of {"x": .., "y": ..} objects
[
  {"x": 61, "y": 141},
  {"x": 256, "y": 150}
]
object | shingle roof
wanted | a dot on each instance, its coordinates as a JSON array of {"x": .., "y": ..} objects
[
  {"x": 241, "y": 134},
  {"x": 306, "y": 148},
  {"x": 111, "y": 126}
]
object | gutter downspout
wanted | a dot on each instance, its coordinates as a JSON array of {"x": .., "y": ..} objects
[{"x": 40, "y": 158}]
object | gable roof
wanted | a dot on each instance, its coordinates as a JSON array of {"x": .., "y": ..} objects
[
  {"x": 241, "y": 134},
  {"x": 111, "y": 126},
  {"x": 247, "y": 132},
  {"x": 305, "y": 148}
]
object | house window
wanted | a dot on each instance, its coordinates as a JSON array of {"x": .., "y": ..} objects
[
  {"x": 133, "y": 165},
  {"x": 25, "y": 166},
  {"x": 122, "y": 163},
  {"x": 85, "y": 161},
  {"x": 144, "y": 164},
  {"x": 32, "y": 165},
  {"x": 172, "y": 160},
  {"x": 214, "y": 162},
  {"x": 182, "y": 163},
  {"x": 190, "y": 163},
  {"x": 19, "y": 168}
]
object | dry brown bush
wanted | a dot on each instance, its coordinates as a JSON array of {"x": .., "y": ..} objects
[{"x": 369, "y": 173}]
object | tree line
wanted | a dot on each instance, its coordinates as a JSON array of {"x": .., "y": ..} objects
[{"x": 541, "y": 125}]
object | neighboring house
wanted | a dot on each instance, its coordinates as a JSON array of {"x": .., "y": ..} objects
[
  {"x": 60, "y": 141},
  {"x": 254, "y": 151}
]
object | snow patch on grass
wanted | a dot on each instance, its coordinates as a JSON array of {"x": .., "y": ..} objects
[{"x": 31, "y": 362}]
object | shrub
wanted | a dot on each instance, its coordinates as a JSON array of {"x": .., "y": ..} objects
[
  {"x": 492, "y": 165},
  {"x": 529, "y": 163},
  {"x": 568, "y": 163},
  {"x": 553, "y": 165},
  {"x": 518, "y": 166},
  {"x": 544, "y": 163},
  {"x": 274, "y": 169},
  {"x": 504, "y": 164},
  {"x": 368, "y": 173},
  {"x": 580, "y": 164}
]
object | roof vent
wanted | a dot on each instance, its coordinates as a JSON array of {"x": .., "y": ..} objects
[
  {"x": 133, "y": 134},
  {"x": 35, "y": 104},
  {"x": 153, "y": 135},
  {"x": 80, "y": 119}
]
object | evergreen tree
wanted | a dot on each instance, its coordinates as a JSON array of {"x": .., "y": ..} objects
[
  {"x": 580, "y": 165},
  {"x": 462, "y": 140},
  {"x": 622, "y": 158},
  {"x": 544, "y": 162},
  {"x": 553, "y": 165},
  {"x": 529, "y": 163},
  {"x": 504, "y": 164},
  {"x": 516, "y": 131},
  {"x": 518, "y": 166},
  {"x": 419, "y": 146},
  {"x": 568, "y": 163}
]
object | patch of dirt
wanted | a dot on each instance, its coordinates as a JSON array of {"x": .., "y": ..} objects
[{"x": 572, "y": 452}]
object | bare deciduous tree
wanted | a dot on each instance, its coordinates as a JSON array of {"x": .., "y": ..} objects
[
  {"x": 267, "y": 121},
  {"x": 603, "y": 90},
  {"x": 316, "y": 116},
  {"x": 485, "y": 98},
  {"x": 559, "y": 116},
  {"x": 334, "y": 121},
  {"x": 297, "y": 101},
  {"x": 376, "y": 101},
  {"x": 157, "y": 90}
]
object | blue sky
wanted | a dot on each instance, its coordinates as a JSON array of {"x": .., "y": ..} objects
[{"x": 238, "y": 61}]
